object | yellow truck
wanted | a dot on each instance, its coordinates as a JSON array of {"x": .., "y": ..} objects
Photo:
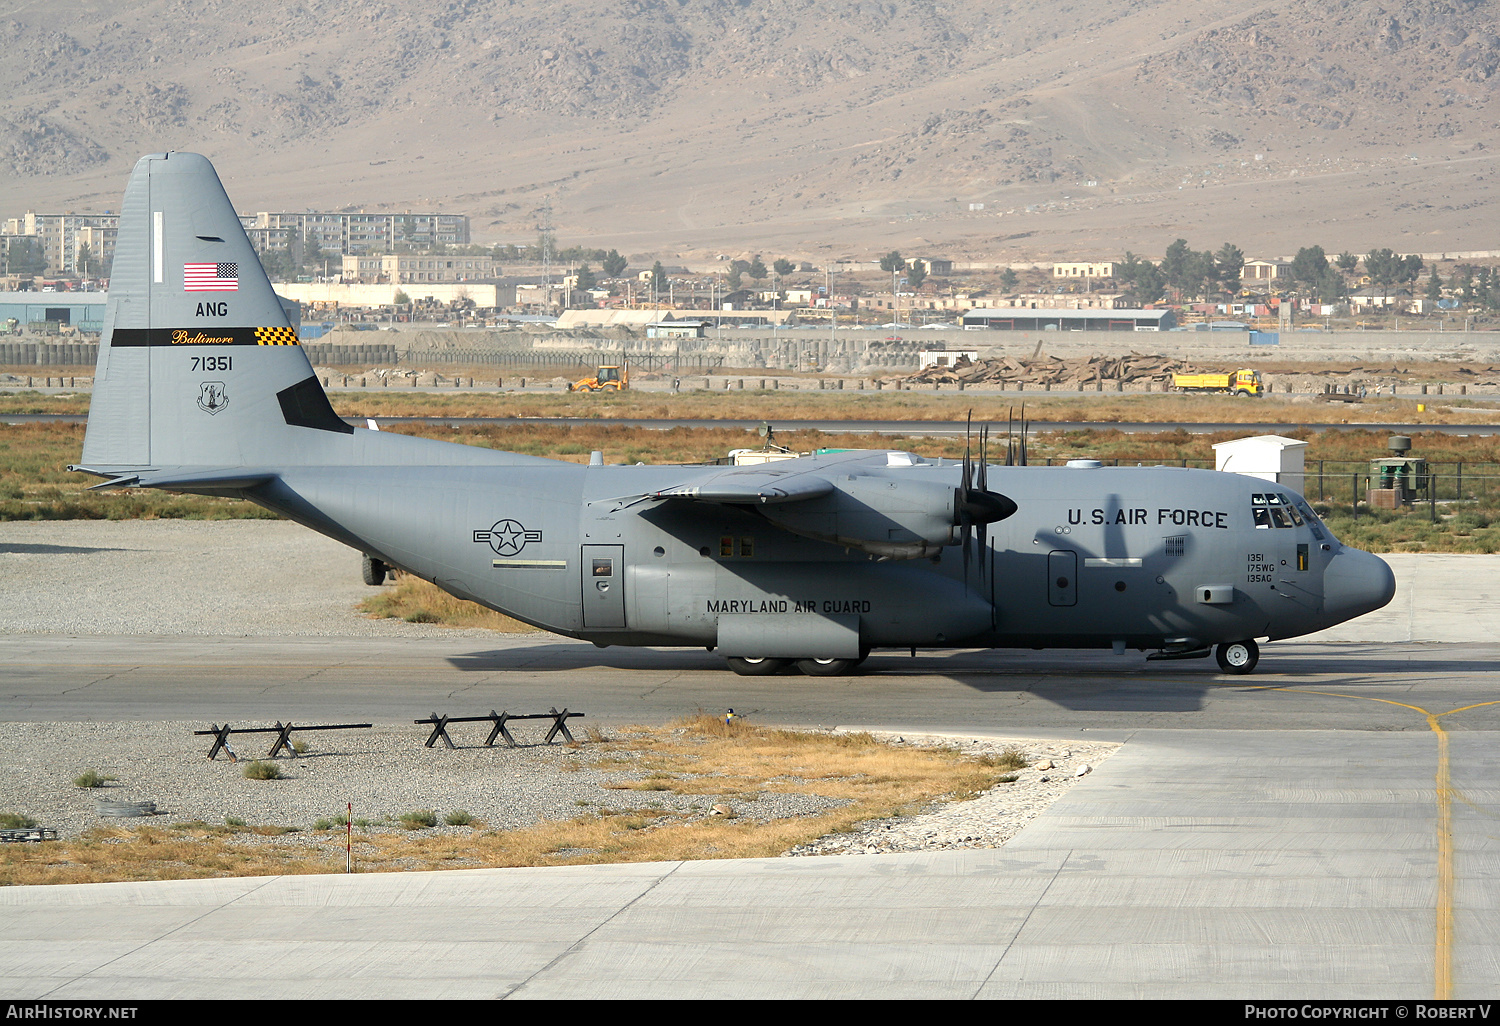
[{"x": 1238, "y": 383}]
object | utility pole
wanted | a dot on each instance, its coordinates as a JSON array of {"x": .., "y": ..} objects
[
  {"x": 775, "y": 305},
  {"x": 546, "y": 230},
  {"x": 833, "y": 314}
]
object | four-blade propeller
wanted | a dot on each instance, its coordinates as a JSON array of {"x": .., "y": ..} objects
[{"x": 975, "y": 506}]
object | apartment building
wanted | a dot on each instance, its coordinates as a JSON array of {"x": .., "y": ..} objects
[
  {"x": 395, "y": 268},
  {"x": 63, "y": 237},
  {"x": 357, "y": 233},
  {"x": 1084, "y": 269}
]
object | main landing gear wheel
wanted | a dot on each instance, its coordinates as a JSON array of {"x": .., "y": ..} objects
[
  {"x": 1237, "y": 656},
  {"x": 826, "y": 667},
  {"x": 373, "y": 570},
  {"x": 758, "y": 667}
]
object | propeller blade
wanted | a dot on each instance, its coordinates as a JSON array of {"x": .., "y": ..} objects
[
  {"x": 984, "y": 457},
  {"x": 1023, "y": 434},
  {"x": 968, "y": 478}
]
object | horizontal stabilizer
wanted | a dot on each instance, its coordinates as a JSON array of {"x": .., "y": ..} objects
[{"x": 216, "y": 479}]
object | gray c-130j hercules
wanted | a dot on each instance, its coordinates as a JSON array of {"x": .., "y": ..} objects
[{"x": 202, "y": 387}]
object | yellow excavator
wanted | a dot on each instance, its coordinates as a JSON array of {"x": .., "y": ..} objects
[{"x": 613, "y": 377}]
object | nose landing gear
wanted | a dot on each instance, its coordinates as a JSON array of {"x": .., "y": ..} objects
[{"x": 1238, "y": 657}]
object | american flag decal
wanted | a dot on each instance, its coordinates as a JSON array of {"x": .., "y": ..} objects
[{"x": 210, "y": 277}]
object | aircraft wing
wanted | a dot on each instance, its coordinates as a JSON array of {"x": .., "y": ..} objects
[{"x": 751, "y": 485}]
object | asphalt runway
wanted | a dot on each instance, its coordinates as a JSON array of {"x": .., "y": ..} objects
[{"x": 1372, "y": 687}]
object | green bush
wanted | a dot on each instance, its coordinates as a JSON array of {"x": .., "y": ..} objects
[
  {"x": 262, "y": 770},
  {"x": 458, "y": 817},
  {"x": 15, "y": 821},
  {"x": 92, "y": 778},
  {"x": 418, "y": 819}
]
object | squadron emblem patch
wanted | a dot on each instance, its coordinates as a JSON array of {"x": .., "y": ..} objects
[
  {"x": 507, "y": 537},
  {"x": 211, "y": 396}
]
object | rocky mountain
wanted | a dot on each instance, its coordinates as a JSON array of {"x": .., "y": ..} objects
[{"x": 692, "y": 127}]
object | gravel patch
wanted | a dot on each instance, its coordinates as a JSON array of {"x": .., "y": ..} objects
[
  {"x": 387, "y": 771},
  {"x": 984, "y": 822},
  {"x": 384, "y": 772}
]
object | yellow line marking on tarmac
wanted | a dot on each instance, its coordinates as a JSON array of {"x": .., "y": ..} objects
[{"x": 1442, "y": 968}]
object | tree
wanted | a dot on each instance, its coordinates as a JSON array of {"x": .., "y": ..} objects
[
  {"x": 1383, "y": 266},
  {"x": 1229, "y": 262},
  {"x": 757, "y": 269},
  {"x": 23, "y": 256},
  {"x": 1434, "y": 286},
  {"x": 615, "y": 264},
  {"x": 892, "y": 262},
  {"x": 1347, "y": 262},
  {"x": 83, "y": 260},
  {"x": 658, "y": 279},
  {"x": 586, "y": 279},
  {"x": 1176, "y": 264},
  {"x": 1331, "y": 286},
  {"x": 783, "y": 266},
  {"x": 277, "y": 263},
  {"x": 735, "y": 278},
  {"x": 1009, "y": 279},
  {"x": 916, "y": 274},
  {"x": 1309, "y": 264},
  {"x": 1463, "y": 282},
  {"x": 1143, "y": 280}
]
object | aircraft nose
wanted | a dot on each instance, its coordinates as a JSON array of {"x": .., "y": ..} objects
[{"x": 1356, "y": 583}]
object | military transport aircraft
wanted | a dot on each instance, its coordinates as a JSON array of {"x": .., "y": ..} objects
[{"x": 202, "y": 387}]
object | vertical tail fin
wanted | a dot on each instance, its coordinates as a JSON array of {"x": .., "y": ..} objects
[{"x": 200, "y": 364}]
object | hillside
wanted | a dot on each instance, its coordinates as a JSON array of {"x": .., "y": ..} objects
[{"x": 845, "y": 127}]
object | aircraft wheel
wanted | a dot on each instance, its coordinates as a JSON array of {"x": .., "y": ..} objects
[
  {"x": 1238, "y": 656},
  {"x": 758, "y": 667},
  {"x": 826, "y": 667},
  {"x": 373, "y": 570}
]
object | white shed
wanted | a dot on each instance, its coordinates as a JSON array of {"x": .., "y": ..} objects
[{"x": 1271, "y": 457}]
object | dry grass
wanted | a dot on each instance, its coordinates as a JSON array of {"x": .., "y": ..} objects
[
  {"x": 416, "y": 601},
  {"x": 735, "y": 763}
]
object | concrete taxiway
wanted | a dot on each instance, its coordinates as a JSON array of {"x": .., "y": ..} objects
[{"x": 1324, "y": 828}]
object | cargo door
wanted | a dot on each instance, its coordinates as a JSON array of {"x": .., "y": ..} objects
[{"x": 603, "y": 569}]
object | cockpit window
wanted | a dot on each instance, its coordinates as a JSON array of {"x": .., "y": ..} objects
[
  {"x": 1262, "y": 515},
  {"x": 1274, "y": 510},
  {"x": 1313, "y": 523}
]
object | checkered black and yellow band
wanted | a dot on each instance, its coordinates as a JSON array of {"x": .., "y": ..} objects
[{"x": 276, "y": 336}]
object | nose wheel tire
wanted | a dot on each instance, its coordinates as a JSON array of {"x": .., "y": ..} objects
[
  {"x": 1237, "y": 656},
  {"x": 759, "y": 667},
  {"x": 826, "y": 667}
]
